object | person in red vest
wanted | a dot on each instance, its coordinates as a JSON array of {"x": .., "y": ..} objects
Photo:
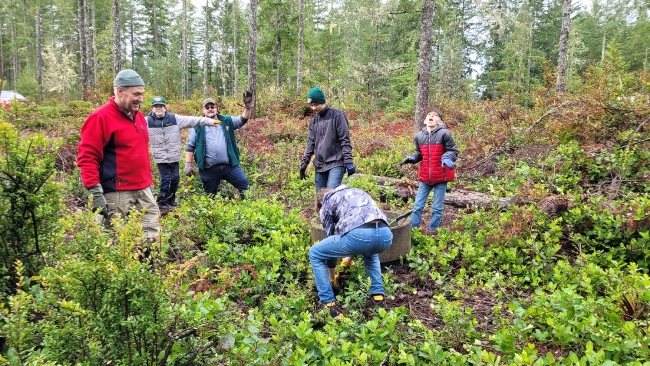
[
  {"x": 437, "y": 151},
  {"x": 113, "y": 156}
]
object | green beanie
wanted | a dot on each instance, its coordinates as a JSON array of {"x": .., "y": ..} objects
[
  {"x": 316, "y": 95},
  {"x": 157, "y": 101},
  {"x": 128, "y": 77}
]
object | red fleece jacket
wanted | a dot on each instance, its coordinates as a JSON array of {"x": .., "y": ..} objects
[{"x": 114, "y": 150}]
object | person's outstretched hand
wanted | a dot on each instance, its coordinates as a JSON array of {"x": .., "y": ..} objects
[
  {"x": 248, "y": 99},
  {"x": 408, "y": 160}
]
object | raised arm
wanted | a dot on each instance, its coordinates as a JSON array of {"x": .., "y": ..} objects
[{"x": 191, "y": 121}]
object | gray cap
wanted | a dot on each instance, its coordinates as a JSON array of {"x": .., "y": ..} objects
[
  {"x": 128, "y": 77},
  {"x": 208, "y": 101}
]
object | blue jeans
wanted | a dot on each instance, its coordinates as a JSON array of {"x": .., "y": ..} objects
[
  {"x": 424, "y": 189},
  {"x": 169, "y": 178},
  {"x": 212, "y": 176},
  {"x": 368, "y": 242},
  {"x": 329, "y": 179}
]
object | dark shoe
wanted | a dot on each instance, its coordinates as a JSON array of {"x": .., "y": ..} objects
[
  {"x": 376, "y": 300},
  {"x": 335, "y": 309}
]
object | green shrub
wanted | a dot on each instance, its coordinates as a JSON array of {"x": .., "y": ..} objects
[{"x": 29, "y": 202}]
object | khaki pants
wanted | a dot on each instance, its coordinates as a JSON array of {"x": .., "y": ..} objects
[{"x": 122, "y": 201}]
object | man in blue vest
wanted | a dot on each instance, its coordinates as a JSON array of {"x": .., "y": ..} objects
[{"x": 214, "y": 149}]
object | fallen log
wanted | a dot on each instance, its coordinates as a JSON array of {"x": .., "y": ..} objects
[{"x": 459, "y": 198}]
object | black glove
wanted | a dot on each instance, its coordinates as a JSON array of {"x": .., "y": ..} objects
[
  {"x": 248, "y": 99},
  {"x": 303, "y": 176},
  {"x": 350, "y": 168},
  {"x": 99, "y": 201},
  {"x": 408, "y": 160}
]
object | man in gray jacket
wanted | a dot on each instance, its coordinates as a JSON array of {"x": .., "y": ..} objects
[{"x": 165, "y": 142}]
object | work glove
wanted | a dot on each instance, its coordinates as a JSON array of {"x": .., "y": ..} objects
[
  {"x": 189, "y": 168},
  {"x": 99, "y": 201},
  {"x": 448, "y": 163},
  {"x": 350, "y": 168},
  {"x": 248, "y": 100},
  {"x": 408, "y": 160},
  {"x": 303, "y": 176}
]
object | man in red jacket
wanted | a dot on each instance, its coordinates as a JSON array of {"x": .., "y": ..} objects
[{"x": 113, "y": 156}]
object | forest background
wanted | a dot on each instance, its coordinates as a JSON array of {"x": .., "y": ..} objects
[{"x": 549, "y": 104}]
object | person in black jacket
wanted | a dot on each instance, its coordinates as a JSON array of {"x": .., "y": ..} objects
[{"x": 329, "y": 142}]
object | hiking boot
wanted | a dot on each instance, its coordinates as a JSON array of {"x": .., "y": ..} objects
[
  {"x": 376, "y": 300},
  {"x": 335, "y": 309}
]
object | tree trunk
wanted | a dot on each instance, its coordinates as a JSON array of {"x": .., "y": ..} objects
[
  {"x": 222, "y": 74},
  {"x": 329, "y": 46},
  {"x": 156, "y": 39},
  {"x": 117, "y": 42},
  {"x": 39, "y": 48},
  {"x": 206, "y": 53},
  {"x": 14, "y": 52},
  {"x": 132, "y": 39},
  {"x": 83, "y": 54},
  {"x": 424, "y": 64},
  {"x": 252, "y": 51},
  {"x": 28, "y": 43},
  {"x": 93, "y": 52},
  {"x": 564, "y": 46},
  {"x": 301, "y": 40},
  {"x": 2, "y": 58},
  {"x": 184, "y": 55},
  {"x": 278, "y": 48},
  {"x": 235, "y": 69},
  {"x": 88, "y": 43},
  {"x": 372, "y": 78},
  {"x": 602, "y": 49}
]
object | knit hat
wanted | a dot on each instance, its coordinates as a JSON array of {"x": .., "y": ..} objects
[
  {"x": 208, "y": 101},
  {"x": 433, "y": 109},
  {"x": 128, "y": 77},
  {"x": 157, "y": 101},
  {"x": 316, "y": 95}
]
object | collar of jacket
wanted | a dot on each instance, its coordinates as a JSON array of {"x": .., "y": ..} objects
[
  {"x": 324, "y": 111},
  {"x": 153, "y": 114},
  {"x": 438, "y": 127},
  {"x": 131, "y": 116}
]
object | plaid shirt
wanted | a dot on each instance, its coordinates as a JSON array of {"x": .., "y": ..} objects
[{"x": 346, "y": 208}]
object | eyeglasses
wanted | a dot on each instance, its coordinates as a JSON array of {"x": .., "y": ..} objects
[{"x": 210, "y": 107}]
